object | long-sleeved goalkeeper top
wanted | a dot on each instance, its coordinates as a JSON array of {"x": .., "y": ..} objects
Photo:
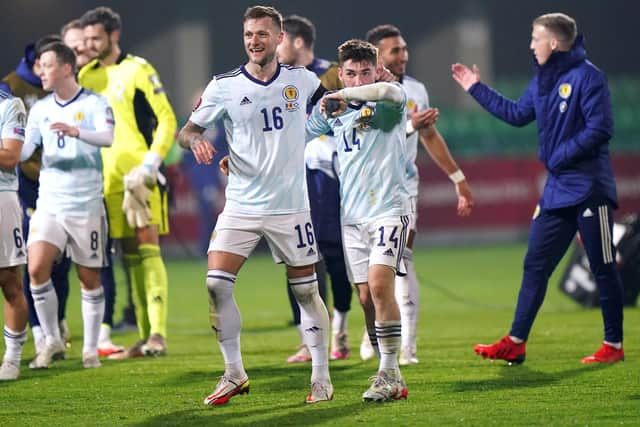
[{"x": 144, "y": 118}]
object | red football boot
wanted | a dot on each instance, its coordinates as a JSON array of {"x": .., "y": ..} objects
[
  {"x": 505, "y": 349},
  {"x": 605, "y": 354}
]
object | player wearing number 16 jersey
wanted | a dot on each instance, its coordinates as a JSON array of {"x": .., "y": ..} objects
[
  {"x": 263, "y": 106},
  {"x": 70, "y": 125}
]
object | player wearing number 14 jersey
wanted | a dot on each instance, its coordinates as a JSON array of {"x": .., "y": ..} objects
[
  {"x": 370, "y": 134},
  {"x": 263, "y": 106},
  {"x": 70, "y": 125}
]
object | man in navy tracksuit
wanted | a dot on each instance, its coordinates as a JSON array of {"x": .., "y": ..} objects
[{"x": 569, "y": 99}]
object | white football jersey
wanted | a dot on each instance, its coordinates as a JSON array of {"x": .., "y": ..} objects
[
  {"x": 417, "y": 100},
  {"x": 264, "y": 122},
  {"x": 12, "y": 121},
  {"x": 370, "y": 142},
  {"x": 71, "y": 175}
]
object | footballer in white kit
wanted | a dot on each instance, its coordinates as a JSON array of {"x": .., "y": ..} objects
[
  {"x": 266, "y": 192},
  {"x": 263, "y": 105},
  {"x": 12, "y": 250},
  {"x": 370, "y": 125},
  {"x": 70, "y": 125},
  {"x": 12, "y": 121},
  {"x": 373, "y": 192},
  {"x": 70, "y": 209},
  {"x": 421, "y": 119}
]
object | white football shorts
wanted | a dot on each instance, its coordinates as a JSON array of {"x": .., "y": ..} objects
[
  {"x": 379, "y": 242},
  {"x": 290, "y": 236},
  {"x": 84, "y": 237},
  {"x": 12, "y": 248}
]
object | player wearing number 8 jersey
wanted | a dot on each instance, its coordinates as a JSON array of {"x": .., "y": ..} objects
[
  {"x": 70, "y": 126},
  {"x": 370, "y": 132},
  {"x": 263, "y": 106}
]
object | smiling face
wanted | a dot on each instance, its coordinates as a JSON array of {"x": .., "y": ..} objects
[
  {"x": 358, "y": 73},
  {"x": 394, "y": 55},
  {"x": 261, "y": 39},
  {"x": 543, "y": 43},
  {"x": 74, "y": 38}
]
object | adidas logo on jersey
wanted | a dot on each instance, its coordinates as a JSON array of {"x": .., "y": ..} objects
[
  {"x": 245, "y": 101},
  {"x": 94, "y": 256},
  {"x": 337, "y": 122},
  {"x": 311, "y": 252},
  {"x": 587, "y": 213},
  {"x": 388, "y": 252},
  {"x": 21, "y": 253}
]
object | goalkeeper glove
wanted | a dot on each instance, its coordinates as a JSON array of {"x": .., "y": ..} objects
[{"x": 136, "y": 208}]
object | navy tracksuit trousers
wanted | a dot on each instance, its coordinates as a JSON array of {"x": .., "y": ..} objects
[{"x": 551, "y": 233}]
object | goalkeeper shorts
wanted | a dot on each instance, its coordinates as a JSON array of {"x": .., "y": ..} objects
[{"x": 118, "y": 226}]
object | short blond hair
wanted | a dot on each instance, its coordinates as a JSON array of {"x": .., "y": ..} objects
[{"x": 562, "y": 26}]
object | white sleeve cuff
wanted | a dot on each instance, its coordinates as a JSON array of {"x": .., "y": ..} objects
[
  {"x": 410, "y": 128},
  {"x": 152, "y": 159}
]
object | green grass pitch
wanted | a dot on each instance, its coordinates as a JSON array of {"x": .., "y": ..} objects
[{"x": 467, "y": 296}]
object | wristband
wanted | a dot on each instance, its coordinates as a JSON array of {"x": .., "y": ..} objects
[{"x": 457, "y": 177}]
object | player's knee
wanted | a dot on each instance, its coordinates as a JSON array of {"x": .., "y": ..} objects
[
  {"x": 220, "y": 284},
  {"x": 364, "y": 296},
  {"x": 11, "y": 284},
  {"x": 304, "y": 292},
  {"x": 38, "y": 272}
]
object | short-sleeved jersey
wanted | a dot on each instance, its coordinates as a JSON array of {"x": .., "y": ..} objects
[
  {"x": 71, "y": 175},
  {"x": 12, "y": 121},
  {"x": 417, "y": 100},
  {"x": 371, "y": 150},
  {"x": 144, "y": 118},
  {"x": 265, "y": 126}
]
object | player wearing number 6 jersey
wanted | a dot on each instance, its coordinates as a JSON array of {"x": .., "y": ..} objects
[
  {"x": 70, "y": 126},
  {"x": 263, "y": 106},
  {"x": 370, "y": 132},
  {"x": 12, "y": 255}
]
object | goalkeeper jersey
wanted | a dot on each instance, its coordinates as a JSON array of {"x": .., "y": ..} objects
[
  {"x": 144, "y": 118},
  {"x": 71, "y": 175},
  {"x": 12, "y": 118}
]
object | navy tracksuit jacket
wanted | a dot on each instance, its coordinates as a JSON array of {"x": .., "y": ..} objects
[{"x": 569, "y": 99}]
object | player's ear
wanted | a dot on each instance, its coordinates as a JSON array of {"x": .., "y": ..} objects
[
  {"x": 280, "y": 37},
  {"x": 115, "y": 36}
]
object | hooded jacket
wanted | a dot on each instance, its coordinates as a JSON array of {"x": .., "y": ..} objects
[{"x": 570, "y": 101}]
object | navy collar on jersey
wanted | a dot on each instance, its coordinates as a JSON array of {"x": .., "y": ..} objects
[
  {"x": 121, "y": 58},
  {"x": 260, "y": 82},
  {"x": 69, "y": 101}
]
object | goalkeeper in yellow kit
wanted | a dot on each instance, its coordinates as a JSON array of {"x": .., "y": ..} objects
[{"x": 144, "y": 132}]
